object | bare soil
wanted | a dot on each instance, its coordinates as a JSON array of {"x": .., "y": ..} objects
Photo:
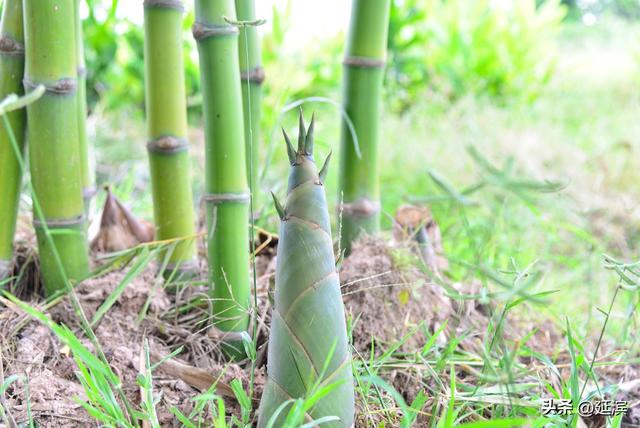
[{"x": 390, "y": 300}]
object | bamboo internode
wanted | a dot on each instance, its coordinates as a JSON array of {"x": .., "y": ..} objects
[
  {"x": 252, "y": 76},
  {"x": 168, "y": 147},
  {"x": 11, "y": 74},
  {"x": 54, "y": 154},
  {"x": 362, "y": 86},
  {"x": 226, "y": 198},
  {"x": 88, "y": 187}
]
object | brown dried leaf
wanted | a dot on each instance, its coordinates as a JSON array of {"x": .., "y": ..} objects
[
  {"x": 193, "y": 376},
  {"x": 120, "y": 229}
]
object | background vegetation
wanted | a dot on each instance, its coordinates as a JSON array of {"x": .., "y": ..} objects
[
  {"x": 534, "y": 91},
  {"x": 515, "y": 121}
]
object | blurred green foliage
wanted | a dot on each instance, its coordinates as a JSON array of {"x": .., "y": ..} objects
[
  {"x": 299, "y": 73},
  {"x": 114, "y": 48},
  {"x": 452, "y": 47},
  {"x": 629, "y": 9},
  {"x": 484, "y": 47}
]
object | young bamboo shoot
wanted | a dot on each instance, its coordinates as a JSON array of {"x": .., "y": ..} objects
[{"x": 308, "y": 341}]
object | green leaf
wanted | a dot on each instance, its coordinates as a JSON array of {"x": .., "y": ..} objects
[
  {"x": 13, "y": 102},
  {"x": 136, "y": 269}
]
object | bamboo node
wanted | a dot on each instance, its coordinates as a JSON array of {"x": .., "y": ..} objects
[
  {"x": 362, "y": 208},
  {"x": 183, "y": 267},
  {"x": 203, "y": 31},
  {"x": 59, "y": 223},
  {"x": 10, "y": 46},
  {"x": 89, "y": 192},
  {"x": 217, "y": 198},
  {"x": 255, "y": 75},
  {"x": 167, "y": 144},
  {"x": 60, "y": 87},
  {"x": 226, "y": 336},
  {"x": 173, "y": 4},
  {"x": 364, "y": 62},
  {"x": 82, "y": 71}
]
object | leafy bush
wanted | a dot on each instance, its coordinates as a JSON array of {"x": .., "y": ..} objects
[{"x": 501, "y": 49}]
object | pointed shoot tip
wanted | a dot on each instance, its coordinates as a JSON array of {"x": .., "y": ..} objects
[
  {"x": 302, "y": 136},
  {"x": 325, "y": 168},
  {"x": 308, "y": 145},
  {"x": 291, "y": 152},
  {"x": 278, "y": 205}
]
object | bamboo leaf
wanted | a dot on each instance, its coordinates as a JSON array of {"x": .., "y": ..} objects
[
  {"x": 14, "y": 102},
  {"x": 133, "y": 273}
]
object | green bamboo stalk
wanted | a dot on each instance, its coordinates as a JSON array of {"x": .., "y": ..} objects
[
  {"x": 11, "y": 74},
  {"x": 88, "y": 185},
  {"x": 53, "y": 140},
  {"x": 168, "y": 147},
  {"x": 252, "y": 76},
  {"x": 308, "y": 347},
  {"x": 362, "y": 82},
  {"x": 227, "y": 196}
]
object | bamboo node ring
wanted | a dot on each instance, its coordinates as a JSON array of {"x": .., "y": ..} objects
[
  {"x": 89, "y": 192},
  {"x": 226, "y": 336},
  {"x": 60, "y": 223},
  {"x": 255, "y": 75},
  {"x": 203, "y": 31},
  {"x": 182, "y": 267},
  {"x": 10, "y": 46},
  {"x": 172, "y": 4},
  {"x": 167, "y": 144},
  {"x": 60, "y": 87},
  {"x": 364, "y": 62},
  {"x": 362, "y": 208},
  {"x": 217, "y": 198}
]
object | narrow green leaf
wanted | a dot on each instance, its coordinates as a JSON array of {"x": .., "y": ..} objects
[{"x": 136, "y": 269}]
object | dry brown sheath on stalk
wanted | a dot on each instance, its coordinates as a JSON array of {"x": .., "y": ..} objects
[{"x": 120, "y": 229}]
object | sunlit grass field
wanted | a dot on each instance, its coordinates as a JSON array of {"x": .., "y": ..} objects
[{"x": 581, "y": 133}]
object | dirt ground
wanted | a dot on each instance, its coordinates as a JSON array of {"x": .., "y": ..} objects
[{"x": 386, "y": 294}]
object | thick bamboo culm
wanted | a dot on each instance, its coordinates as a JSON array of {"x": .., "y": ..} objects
[
  {"x": 227, "y": 197},
  {"x": 168, "y": 146},
  {"x": 11, "y": 74},
  {"x": 308, "y": 339},
  {"x": 252, "y": 75},
  {"x": 88, "y": 186},
  {"x": 362, "y": 86},
  {"x": 54, "y": 154}
]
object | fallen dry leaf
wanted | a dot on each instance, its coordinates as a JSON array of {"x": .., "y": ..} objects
[{"x": 120, "y": 229}]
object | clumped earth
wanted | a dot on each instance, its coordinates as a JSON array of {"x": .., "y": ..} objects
[{"x": 394, "y": 301}]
